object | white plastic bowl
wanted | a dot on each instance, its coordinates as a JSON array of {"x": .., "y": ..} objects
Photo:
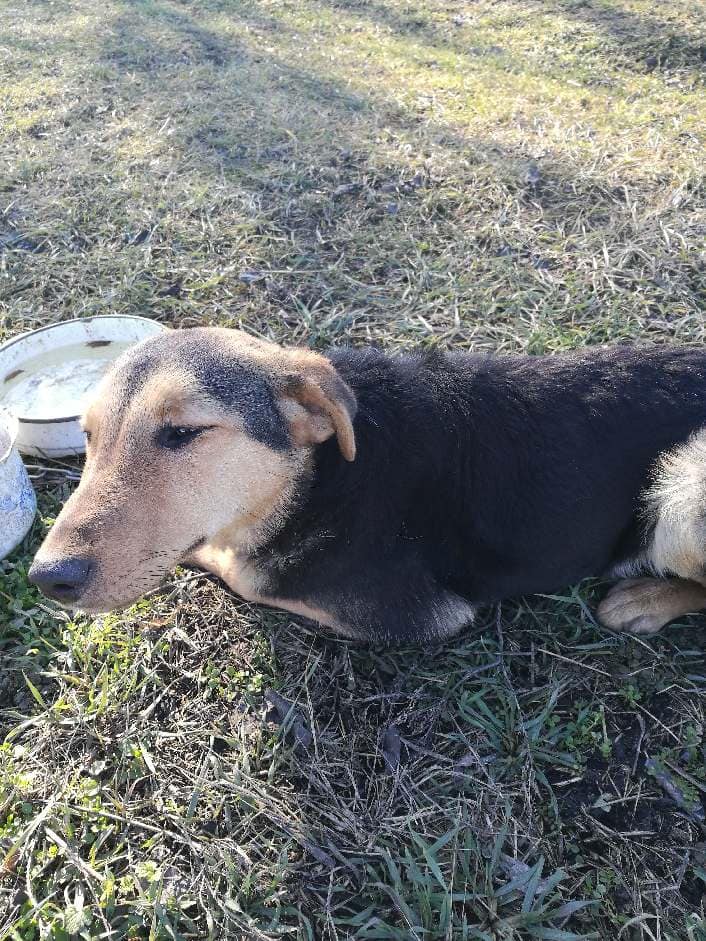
[
  {"x": 18, "y": 502},
  {"x": 47, "y": 375}
]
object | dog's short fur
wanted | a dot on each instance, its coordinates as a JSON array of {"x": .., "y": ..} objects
[{"x": 388, "y": 496}]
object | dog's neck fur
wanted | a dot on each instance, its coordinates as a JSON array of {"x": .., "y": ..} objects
[{"x": 331, "y": 550}]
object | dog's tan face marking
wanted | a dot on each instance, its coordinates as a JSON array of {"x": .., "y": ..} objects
[{"x": 191, "y": 433}]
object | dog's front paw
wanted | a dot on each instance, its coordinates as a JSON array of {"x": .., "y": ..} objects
[
  {"x": 644, "y": 605},
  {"x": 634, "y": 605}
]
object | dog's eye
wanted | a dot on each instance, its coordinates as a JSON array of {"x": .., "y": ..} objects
[{"x": 174, "y": 437}]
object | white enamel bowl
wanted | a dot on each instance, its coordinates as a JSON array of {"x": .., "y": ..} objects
[
  {"x": 18, "y": 503},
  {"x": 47, "y": 375}
]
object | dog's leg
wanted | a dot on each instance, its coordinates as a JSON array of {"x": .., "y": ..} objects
[
  {"x": 676, "y": 504},
  {"x": 644, "y": 605}
]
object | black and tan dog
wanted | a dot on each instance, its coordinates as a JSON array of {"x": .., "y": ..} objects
[{"x": 386, "y": 497}]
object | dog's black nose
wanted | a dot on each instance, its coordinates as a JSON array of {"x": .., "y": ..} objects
[{"x": 63, "y": 579}]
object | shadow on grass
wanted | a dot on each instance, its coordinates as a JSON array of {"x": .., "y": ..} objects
[
  {"x": 306, "y": 162},
  {"x": 638, "y": 40},
  {"x": 641, "y": 39},
  {"x": 308, "y": 168}
]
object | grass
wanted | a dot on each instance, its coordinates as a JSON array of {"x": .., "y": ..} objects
[{"x": 512, "y": 175}]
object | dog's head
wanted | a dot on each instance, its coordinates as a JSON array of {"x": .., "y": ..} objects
[{"x": 191, "y": 433}]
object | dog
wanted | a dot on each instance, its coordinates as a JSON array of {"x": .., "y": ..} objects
[{"x": 388, "y": 496}]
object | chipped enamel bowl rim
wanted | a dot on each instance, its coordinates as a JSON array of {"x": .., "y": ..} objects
[
  {"x": 9, "y": 427},
  {"x": 18, "y": 502},
  {"x": 61, "y": 436}
]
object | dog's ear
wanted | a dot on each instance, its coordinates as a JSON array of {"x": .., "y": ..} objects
[{"x": 317, "y": 404}]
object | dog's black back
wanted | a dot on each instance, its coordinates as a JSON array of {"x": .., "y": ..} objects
[{"x": 480, "y": 478}]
